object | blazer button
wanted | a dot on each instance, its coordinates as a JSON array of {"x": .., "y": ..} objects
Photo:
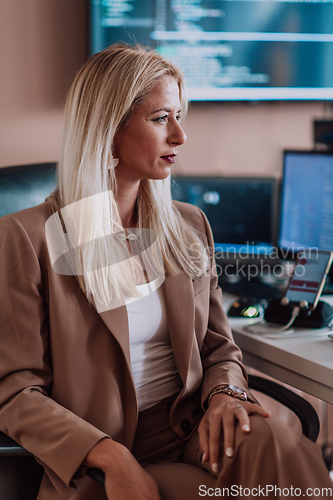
[{"x": 185, "y": 425}]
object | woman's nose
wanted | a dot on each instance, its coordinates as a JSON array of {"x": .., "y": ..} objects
[{"x": 178, "y": 136}]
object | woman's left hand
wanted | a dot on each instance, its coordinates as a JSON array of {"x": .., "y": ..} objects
[{"x": 221, "y": 416}]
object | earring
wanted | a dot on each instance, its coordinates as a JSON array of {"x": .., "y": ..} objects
[{"x": 114, "y": 162}]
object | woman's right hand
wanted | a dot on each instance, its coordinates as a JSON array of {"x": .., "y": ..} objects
[{"x": 124, "y": 476}]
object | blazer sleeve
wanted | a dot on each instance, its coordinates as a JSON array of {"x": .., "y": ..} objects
[
  {"x": 56, "y": 436},
  {"x": 221, "y": 357}
]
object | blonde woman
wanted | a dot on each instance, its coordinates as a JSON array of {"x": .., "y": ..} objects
[{"x": 115, "y": 350}]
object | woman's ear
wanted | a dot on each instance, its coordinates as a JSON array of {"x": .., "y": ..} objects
[{"x": 116, "y": 139}]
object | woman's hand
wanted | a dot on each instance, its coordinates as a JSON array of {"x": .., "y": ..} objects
[
  {"x": 221, "y": 415},
  {"x": 124, "y": 476}
]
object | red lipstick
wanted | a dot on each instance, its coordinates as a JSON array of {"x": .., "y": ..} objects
[{"x": 169, "y": 158}]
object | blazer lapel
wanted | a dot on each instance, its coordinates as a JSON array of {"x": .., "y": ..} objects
[
  {"x": 117, "y": 322},
  {"x": 178, "y": 296}
]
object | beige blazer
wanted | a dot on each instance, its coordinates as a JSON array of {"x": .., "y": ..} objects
[{"x": 65, "y": 374}]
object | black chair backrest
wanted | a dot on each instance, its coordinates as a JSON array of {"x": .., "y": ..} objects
[{"x": 25, "y": 186}]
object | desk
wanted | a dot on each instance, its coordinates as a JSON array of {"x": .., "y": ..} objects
[{"x": 306, "y": 362}]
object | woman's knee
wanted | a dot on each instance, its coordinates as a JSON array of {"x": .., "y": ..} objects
[
  {"x": 178, "y": 481},
  {"x": 265, "y": 433}
]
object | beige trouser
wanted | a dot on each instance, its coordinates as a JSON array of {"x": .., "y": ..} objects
[{"x": 271, "y": 462}]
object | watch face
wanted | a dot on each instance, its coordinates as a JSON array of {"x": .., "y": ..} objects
[{"x": 237, "y": 391}]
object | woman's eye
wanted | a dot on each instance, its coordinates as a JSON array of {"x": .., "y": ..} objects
[
  {"x": 164, "y": 118},
  {"x": 161, "y": 118}
]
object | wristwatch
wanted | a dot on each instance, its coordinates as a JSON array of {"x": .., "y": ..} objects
[{"x": 231, "y": 390}]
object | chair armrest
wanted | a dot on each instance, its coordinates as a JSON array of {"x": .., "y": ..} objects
[
  {"x": 9, "y": 448},
  {"x": 302, "y": 408},
  {"x": 97, "y": 475}
]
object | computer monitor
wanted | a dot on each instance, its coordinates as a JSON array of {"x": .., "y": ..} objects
[
  {"x": 240, "y": 209},
  {"x": 306, "y": 206},
  {"x": 230, "y": 49}
]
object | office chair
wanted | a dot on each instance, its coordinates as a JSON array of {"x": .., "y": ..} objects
[
  {"x": 24, "y": 186},
  {"x": 20, "y": 475}
]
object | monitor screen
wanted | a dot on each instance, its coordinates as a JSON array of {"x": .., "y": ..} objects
[
  {"x": 230, "y": 49},
  {"x": 239, "y": 209},
  {"x": 306, "y": 209}
]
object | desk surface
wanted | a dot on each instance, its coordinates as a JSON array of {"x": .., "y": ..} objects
[{"x": 305, "y": 360}]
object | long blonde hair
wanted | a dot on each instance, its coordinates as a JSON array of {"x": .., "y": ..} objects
[{"x": 99, "y": 104}]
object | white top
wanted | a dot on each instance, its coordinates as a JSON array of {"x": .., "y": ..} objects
[{"x": 153, "y": 366}]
